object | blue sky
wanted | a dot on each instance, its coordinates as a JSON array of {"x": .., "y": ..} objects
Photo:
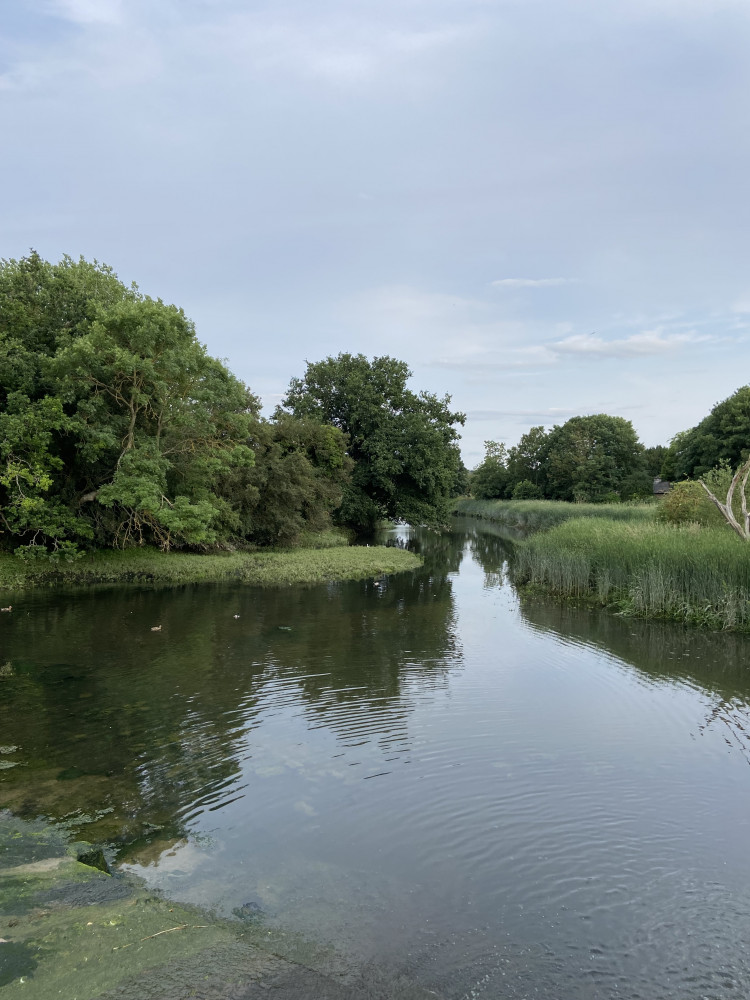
[{"x": 541, "y": 205}]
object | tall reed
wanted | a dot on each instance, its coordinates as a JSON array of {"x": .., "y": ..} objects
[
  {"x": 686, "y": 573},
  {"x": 536, "y": 515}
]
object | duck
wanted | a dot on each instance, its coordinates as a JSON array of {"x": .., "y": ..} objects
[
  {"x": 156, "y": 628},
  {"x": 9, "y": 608}
]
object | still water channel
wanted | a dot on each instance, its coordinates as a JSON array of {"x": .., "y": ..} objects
[{"x": 492, "y": 796}]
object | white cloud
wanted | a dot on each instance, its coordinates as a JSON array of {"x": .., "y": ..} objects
[
  {"x": 553, "y": 412},
  {"x": 648, "y": 343},
  {"x": 89, "y": 11},
  {"x": 532, "y": 282},
  {"x": 340, "y": 49}
]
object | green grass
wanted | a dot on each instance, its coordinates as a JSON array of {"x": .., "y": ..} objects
[
  {"x": 691, "y": 574},
  {"x": 263, "y": 568},
  {"x": 538, "y": 515}
]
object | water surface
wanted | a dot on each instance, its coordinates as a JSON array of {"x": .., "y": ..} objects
[{"x": 488, "y": 795}]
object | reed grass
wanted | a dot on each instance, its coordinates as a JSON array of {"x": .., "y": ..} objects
[
  {"x": 691, "y": 574},
  {"x": 538, "y": 515},
  {"x": 262, "y": 568}
]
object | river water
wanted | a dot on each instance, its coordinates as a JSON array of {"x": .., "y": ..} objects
[{"x": 488, "y": 795}]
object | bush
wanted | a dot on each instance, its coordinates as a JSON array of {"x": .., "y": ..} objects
[
  {"x": 688, "y": 502},
  {"x": 526, "y": 490}
]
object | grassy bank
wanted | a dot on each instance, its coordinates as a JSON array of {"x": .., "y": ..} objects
[
  {"x": 538, "y": 515},
  {"x": 265, "y": 568},
  {"x": 690, "y": 574}
]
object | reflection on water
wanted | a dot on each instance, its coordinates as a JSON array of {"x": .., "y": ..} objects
[
  {"x": 495, "y": 796},
  {"x": 121, "y": 730}
]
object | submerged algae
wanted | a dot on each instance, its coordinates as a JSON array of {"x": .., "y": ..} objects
[{"x": 69, "y": 929}]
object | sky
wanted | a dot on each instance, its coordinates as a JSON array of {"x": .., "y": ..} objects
[{"x": 542, "y": 206}]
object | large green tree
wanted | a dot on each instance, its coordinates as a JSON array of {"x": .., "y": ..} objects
[
  {"x": 592, "y": 458},
  {"x": 117, "y": 428},
  {"x": 722, "y": 436},
  {"x": 403, "y": 444},
  {"x": 295, "y": 484},
  {"x": 526, "y": 459},
  {"x": 489, "y": 480}
]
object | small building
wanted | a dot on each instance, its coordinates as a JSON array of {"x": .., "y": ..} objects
[{"x": 661, "y": 486}]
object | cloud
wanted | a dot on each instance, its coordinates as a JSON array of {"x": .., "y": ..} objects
[
  {"x": 88, "y": 11},
  {"x": 337, "y": 50},
  {"x": 532, "y": 282},
  {"x": 552, "y": 411},
  {"x": 646, "y": 344}
]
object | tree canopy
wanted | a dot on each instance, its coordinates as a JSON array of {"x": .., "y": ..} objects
[
  {"x": 117, "y": 427},
  {"x": 594, "y": 458},
  {"x": 590, "y": 458},
  {"x": 403, "y": 444},
  {"x": 491, "y": 478},
  {"x": 722, "y": 436}
]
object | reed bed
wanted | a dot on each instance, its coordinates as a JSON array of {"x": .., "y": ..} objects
[
  {"x": 538, "y": 515},
  {"x": 691, "y": 574}
]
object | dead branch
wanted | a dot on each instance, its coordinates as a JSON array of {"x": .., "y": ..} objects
[{"x": 738, "y": 479}]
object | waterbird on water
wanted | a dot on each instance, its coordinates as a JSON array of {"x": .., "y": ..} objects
[
  {"x": 9, "y": 608},
  {"x": 156, "y": 628}
]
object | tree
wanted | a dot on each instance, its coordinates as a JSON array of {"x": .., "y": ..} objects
[
  {"x": 740, "y": 524},
  {"x": 653, "y": 460},
  {"x": 724, "y": 435},
  {"x": 115, "y": 424},
  {"x": 490, "y": 478},
  {"x": 526, "y": 490},
  {"x": 589, "y": 458},
  {"x": 296, "y": 482},
  {"x": 403, "y": 444},
  {"x": 526, "y": 459}
]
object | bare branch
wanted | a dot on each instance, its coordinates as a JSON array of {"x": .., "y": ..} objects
[{"x": 742, "y": 474}]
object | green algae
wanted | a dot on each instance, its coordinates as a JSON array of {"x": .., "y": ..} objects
[{"x": 68, "y": 929}]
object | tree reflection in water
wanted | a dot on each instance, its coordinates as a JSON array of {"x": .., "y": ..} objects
[{"x": 123, "y": 732}]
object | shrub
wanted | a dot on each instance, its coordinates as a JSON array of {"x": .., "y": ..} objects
[
  {"x": 526, "y": 490},
  {"x": 688, "y": 501}
]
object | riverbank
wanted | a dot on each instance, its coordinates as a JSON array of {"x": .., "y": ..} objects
[
  {"x": 264, "y": 568},
  {"x": 689, "y": 574},
  {"x": 619, "y": 556},
  {"x": 538, "y": 515}
]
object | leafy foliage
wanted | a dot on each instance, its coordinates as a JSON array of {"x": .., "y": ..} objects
[
  {"x": 589, "y": 458},
  {"x": 724, "y": 435},
  {"x": 117, "y": 427},
  {"x": 403, "y": 444},
  {"x": 526, "y": 459},
  {"x": 594, "y": 459},
  {"x": 526, "y": 490},
  {"x": 297, "y": 481},
  {"x": 490, "y": 479}
]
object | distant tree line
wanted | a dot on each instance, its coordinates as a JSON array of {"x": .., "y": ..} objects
[
  {"x": 588, "y": 459},
  {"x": 117, "y": 428},
  {"x": 599, "y": 458}
]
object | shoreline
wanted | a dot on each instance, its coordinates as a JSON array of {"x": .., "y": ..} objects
[
  {"x": 264, "y": 568},
  {"x": 70, "y": 928},
  {"x": 624, "y": 560}
]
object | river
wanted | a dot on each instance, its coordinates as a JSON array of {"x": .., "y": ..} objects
[{"x": 486, "y": 794}]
